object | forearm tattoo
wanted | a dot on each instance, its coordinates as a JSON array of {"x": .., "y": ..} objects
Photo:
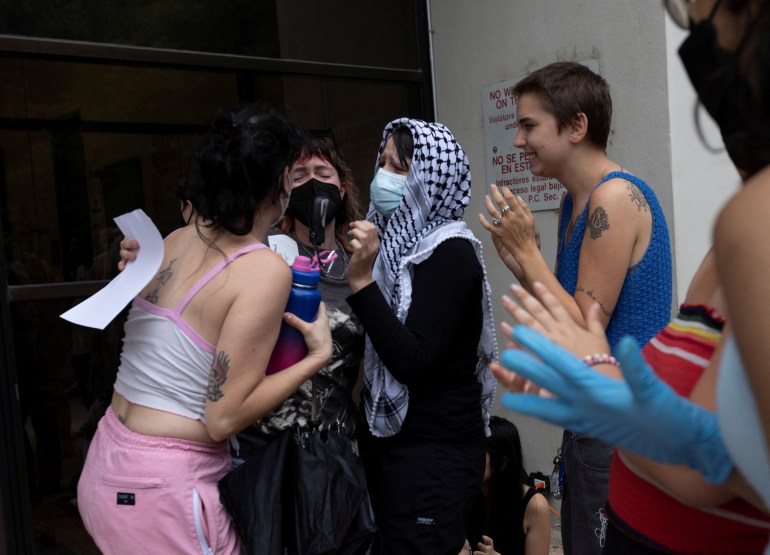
[
  {"x": 598, "y": 222},
  {"x": 637, "y": 197},
  {"x": 590, "y": 295},
  {"x": 161, "y": 279},
  {"x": 219, "y": 370}
]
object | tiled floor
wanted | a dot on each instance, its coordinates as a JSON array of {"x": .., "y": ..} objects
[{"x": 556, "y": 548}]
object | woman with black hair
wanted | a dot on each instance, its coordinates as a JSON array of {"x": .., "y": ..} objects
[
  {"x": 499, "y": 524},
  {"x": 197, "y": 342}
]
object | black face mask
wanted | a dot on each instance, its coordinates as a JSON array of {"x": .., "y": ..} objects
[
  {"x": 301, "y": 200},
  {"x": 725, "y": 93}
]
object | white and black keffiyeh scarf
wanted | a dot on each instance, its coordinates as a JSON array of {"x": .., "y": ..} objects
[{"x": 437, "y": 191}]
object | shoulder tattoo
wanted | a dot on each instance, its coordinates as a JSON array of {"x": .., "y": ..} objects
[
  {"x": 165, "y": 274},
  {"x": 219, "y": 370},
  {"x": 636, "y": 196},
  {"x": 590, "y": 294},
  {"x": 598, "y": 222},
  {"x": 161, "y": 279}
]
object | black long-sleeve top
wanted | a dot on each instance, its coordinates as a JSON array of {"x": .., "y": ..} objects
[{"x": 434, "y": 351}]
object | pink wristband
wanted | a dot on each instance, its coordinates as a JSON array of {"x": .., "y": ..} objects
[{"x": 601, "y": 358}]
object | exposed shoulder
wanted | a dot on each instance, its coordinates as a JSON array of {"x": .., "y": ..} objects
[
  {"x": 262, "y": 268},
  {"x": 268, "y": 261},
  {"x": 620, "y": 193},
  {"x": 746, "y": 212},
  {"x": 537, "y": 510},
  {"x": 181, "y": 238},
  {"x": 538, "y": 503}
]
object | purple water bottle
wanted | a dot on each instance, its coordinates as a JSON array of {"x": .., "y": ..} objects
[{"x": 304, "y": 299}]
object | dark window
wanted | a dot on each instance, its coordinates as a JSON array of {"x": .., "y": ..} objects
[
  {"x": 372, "y": 33},
  {"x": 101, "y": 104},
  {"x": 81, "y": 143}
]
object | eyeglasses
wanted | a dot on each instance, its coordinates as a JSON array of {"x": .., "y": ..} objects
[{"x": 679, "y": 11}]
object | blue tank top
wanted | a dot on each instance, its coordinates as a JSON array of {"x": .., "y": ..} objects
[{"x": 644, "y": 303}]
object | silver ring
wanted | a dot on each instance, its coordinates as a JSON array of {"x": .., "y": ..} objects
[
  {"x": 505, "y": 209},
  {"x": 495, "y": 221}
]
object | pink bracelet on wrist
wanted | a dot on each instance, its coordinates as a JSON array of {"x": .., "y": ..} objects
[{"x": 601, "y": 358}]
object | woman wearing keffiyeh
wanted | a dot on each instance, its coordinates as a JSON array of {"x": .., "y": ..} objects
[{"x": 421, "y": 292}]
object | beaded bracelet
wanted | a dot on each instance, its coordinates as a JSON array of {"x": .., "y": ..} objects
[{"x": 601, "y": 358}]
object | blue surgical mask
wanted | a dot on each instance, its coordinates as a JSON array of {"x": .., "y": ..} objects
[{"x": 386, "y": 191}]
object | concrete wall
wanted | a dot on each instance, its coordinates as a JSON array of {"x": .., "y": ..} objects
[
  {"x": 702, "y": 179},
  {"x": 478, "y": 43}
]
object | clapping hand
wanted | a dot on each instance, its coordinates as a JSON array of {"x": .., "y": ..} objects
[
  {"x": 641, "y": 414},
  {"x": 550, "y": 318},
  {"x": 512, "y": 228},
  {"x": 547, "y": 315}
]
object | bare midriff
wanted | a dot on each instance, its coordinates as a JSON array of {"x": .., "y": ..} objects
[{"x": 158, "y": 423}]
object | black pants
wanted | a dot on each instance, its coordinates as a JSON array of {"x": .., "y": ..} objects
[
  {"x": 422, "y": 491},
  {"x": 587, "y": 477}
]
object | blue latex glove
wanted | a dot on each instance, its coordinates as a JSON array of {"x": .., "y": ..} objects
[{"x": 642, "y": 414}]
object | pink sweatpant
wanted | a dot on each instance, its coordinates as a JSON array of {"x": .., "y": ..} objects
[{"x": 144, "y": 494}]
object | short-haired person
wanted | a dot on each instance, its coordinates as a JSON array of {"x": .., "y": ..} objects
[
  {"x": 613, "y": 249},
  {"x": 197, "y": 342},
  {"x": 697, "y": 363}
]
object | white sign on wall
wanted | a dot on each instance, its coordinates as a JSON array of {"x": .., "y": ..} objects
[{"x": 507, "y": 166}]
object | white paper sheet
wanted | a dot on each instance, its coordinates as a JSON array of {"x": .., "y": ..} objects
[
  {"x": 285, "y": 246},
  {"x": 100, "y": 309}
]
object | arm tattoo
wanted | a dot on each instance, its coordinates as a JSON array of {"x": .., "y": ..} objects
[
  {"x": 165, "y": 274},
  {"x": 598, "y": 222},
  {"x": 219, "y": 369},
  {"x": 162, "y": 278},
  {"x": 637, "y": 197},
  {"x": 590, "y": 295}
]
